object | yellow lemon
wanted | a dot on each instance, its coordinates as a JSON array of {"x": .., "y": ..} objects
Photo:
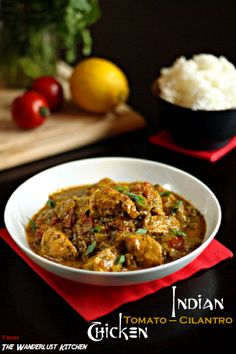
[{"x": 97, "y": 85}]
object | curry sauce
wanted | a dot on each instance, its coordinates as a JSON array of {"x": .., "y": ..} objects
[{"x": 109, "y": 226}]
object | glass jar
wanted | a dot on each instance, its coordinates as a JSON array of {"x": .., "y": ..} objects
[
  {"x": 28, "y": 46},
  {"x": 34, "y": 34}
]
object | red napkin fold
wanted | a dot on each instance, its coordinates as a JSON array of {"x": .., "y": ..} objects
[
  {"x": 164, "y": 139},
  {"x": 92, "y": 302}
]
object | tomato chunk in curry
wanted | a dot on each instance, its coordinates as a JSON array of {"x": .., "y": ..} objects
[{"x": 111, "y": 226}]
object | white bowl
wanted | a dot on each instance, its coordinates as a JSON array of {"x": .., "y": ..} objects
[{"x": 29, "y": 197}]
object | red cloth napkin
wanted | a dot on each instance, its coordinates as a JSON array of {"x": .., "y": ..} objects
[
  {"x": 92, "y": 301},
  {"x": 164, "y": 139}
]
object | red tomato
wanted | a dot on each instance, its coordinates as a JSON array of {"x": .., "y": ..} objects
[
  {"x": 51, "y": 89},
  {"x": 177, "y": 242},
  {"x": 29, "y": 110}
]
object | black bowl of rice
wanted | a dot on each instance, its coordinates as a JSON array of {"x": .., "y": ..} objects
[{"x": 197, "y": 101}]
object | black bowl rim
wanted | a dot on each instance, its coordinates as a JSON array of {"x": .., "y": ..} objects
[{"x": 195, "y": 110}]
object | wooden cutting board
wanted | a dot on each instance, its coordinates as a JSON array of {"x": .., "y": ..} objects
[{"x": 66, "y": 130}]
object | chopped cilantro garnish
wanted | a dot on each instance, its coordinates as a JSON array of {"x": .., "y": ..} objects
[
  {"x": 32, "y": 225},
  {"x": 51, "y": 203},
  {"x": 121, "y": 188},
  {"x": 141, "y": 231},
  {"x": 137, "y": 198},
  {"x": 165, "y": 193},
  {"x": 178, "y": 232},
  {"x": 96, "y": 229},
  {"x": 176, "y": 207},
  {"x": 90, "y": 248},
  {"x": 120, "y": 259}
]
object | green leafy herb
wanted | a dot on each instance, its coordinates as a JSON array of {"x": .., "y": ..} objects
[
  {"x": 43, "y": 32},
  {"x": 32, "y": 225},
  {"x": 51, "y": 203},
  {"x": 90, "y": 248},
  {"x": 121, "y": 188},
  {"x": 141, "y": 231},
  {"x": 165, "y": 193},
  {"x": 176, "y": 207},
  {"x": 137, "y": 198},
  {"x": 120, "y": 259},
  {"x": 77, "y": 17},
  {"x": 178, "y": 232},
  {"x": 96, "y": 229}
]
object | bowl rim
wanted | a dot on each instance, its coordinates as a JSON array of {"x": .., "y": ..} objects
[
  {"x": 203, "y": 111},
  {"x": 31, "y": 254}
]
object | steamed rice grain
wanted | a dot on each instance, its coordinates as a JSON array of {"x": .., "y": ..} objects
[{"x": 204, "y": 82}]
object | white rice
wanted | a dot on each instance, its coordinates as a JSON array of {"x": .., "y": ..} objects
[{"x": 204, "y": 82}]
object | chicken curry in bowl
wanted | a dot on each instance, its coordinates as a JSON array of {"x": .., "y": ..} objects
[{"x": 115, "y": 227}]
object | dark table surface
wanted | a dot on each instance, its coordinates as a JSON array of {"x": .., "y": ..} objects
[{"x": 31, "y": 310}]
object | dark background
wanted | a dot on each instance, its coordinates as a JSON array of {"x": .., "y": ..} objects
[{"x": 142, "y": 36}]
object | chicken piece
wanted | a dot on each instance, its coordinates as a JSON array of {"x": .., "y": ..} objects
[
  {"x": 64, "y": 207},
  {"x": 104, "y": 183},
  {"x": 130, "y": 261},
  {"x": 65, "y": 212},
  {"x": 55, "y": 244},
  {"x": 66, "y": 194},
  {"x": 169, "y": 204},
  {"x": 161, "y": 225},
  {"x": 108, "y": 201},
  {"x": 83, "y": 225},
  {"x": 83, "y": 205},
  {"x": 121, "y": 223},
  {"x": 146, "y": 250},
  {"x": 154, "y": 200},
  {"x": 180, "y": 213},
  {"x": 102, "y": 261},
  {"x": 81, "y": 245},
  {"x": 43, "y": 220},
  {"x": 44, "y": 217}
]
